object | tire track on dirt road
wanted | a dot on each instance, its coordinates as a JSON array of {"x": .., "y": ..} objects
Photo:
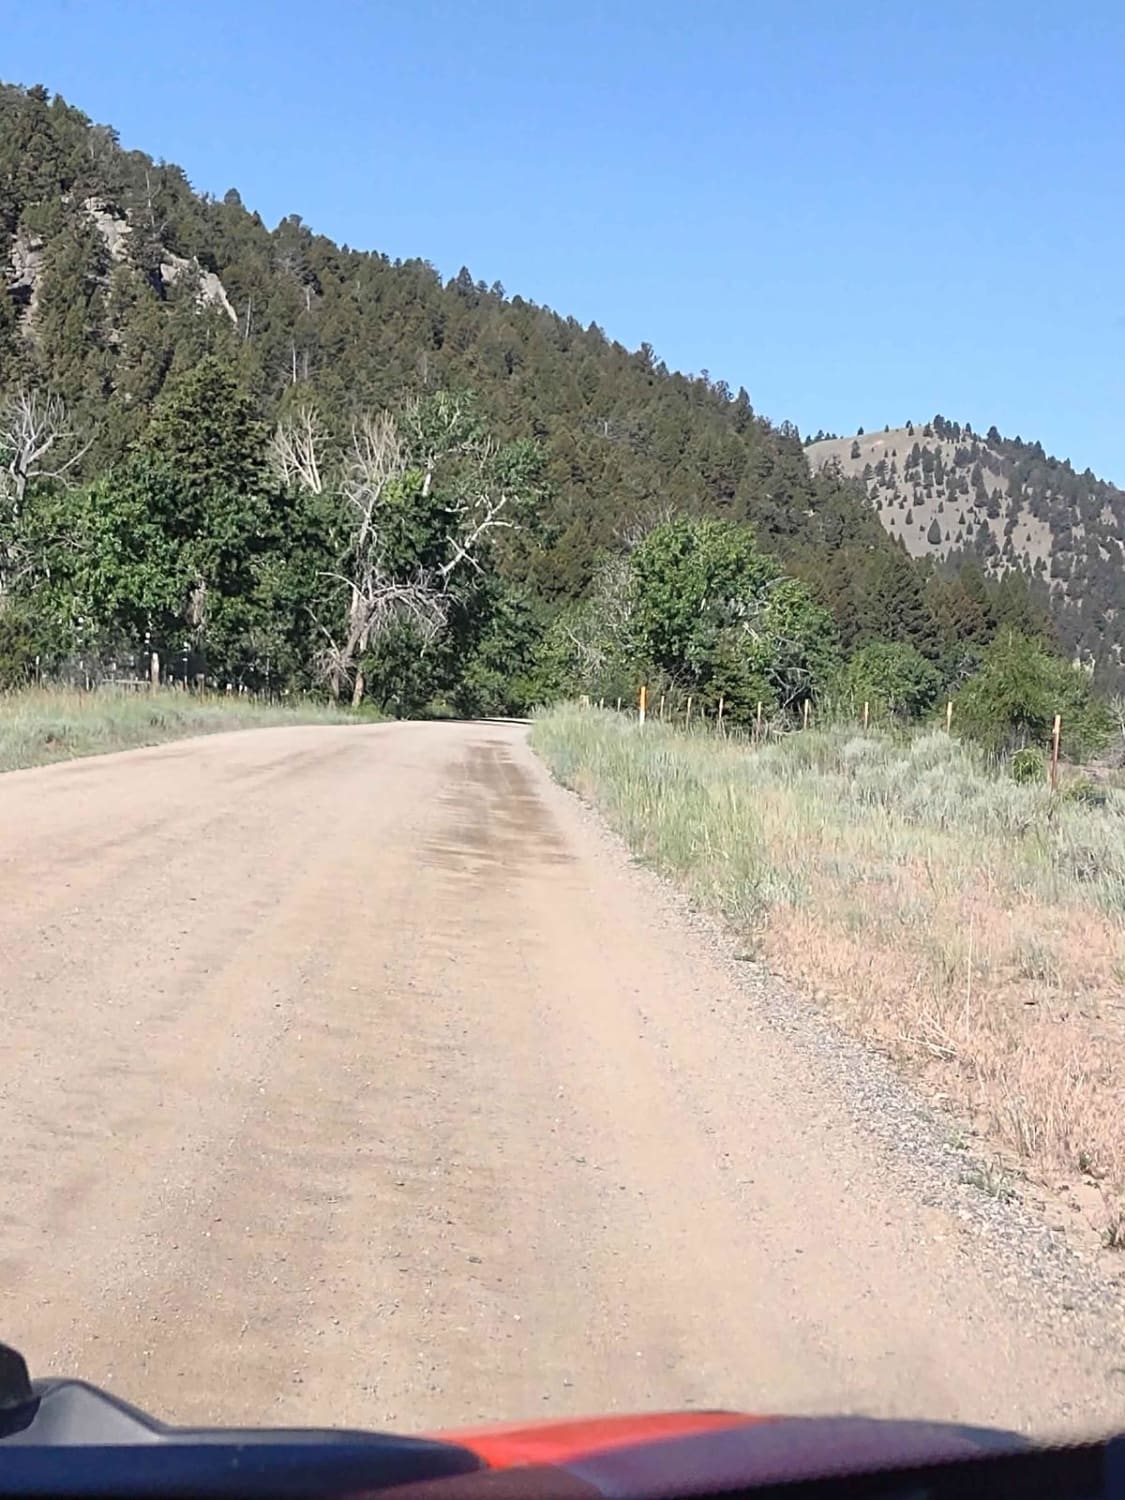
[{"x": 348, "y": 1080}]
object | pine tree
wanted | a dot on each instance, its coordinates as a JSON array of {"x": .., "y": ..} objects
[
  {"x": 206, "y": 447},
  {"x": 896, "y": 606}
]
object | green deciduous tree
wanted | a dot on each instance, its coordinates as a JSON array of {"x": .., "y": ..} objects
[
  {"x": 1013, "y": 700},
  {"x": 187, "y": 545},
  {"x": 686, "y": 575},
  {"x": 894, "y": 678},
  {"x": 717, "y": 616}
]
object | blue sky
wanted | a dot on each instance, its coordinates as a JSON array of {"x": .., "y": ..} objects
[{"x": 863, "y": 212}]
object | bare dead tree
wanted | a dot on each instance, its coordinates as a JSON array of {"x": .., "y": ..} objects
[
  {"x": 631, "y": 533},
  {"x": 37, "y": 441},
  {"x": 382, "y": 451},
  {"x": 599, "y": 631},
  {"x": 439, "y": 429},
  {"x": 378, "y": 597},
  {"x": 479, "y": 511},
  {"x": 150, "y": 204},
  {"x": 377, "y": 457},
  {"x": 297, "y": 453},
  {"x": 296, "y": 450},
  {"x": 1117, "y": 709}
]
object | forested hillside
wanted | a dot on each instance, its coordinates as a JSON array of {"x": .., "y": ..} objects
[
  {"x": 121, "y": 276},
  {"x": 950, "y": 493},
  {"x": 275, "y": 461}
]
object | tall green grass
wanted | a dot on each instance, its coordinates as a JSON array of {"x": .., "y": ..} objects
[
  {"x": 969, "y": 923},
  {"x": 41, "y": 725},
  {"x": 695, "y": 804}
]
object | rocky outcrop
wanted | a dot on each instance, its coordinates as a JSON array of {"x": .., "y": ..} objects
[
  {"x": 114, "y": 228},
  {"x": 211, "y": 291},
  {"x": 116, "y": 231},
  {"x": 25, "y": 256}
]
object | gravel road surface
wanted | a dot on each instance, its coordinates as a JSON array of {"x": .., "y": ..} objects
[{"x": 352, "y": 1076}]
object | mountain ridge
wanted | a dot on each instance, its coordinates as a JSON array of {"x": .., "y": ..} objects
[{"x": 948, "y": 493}]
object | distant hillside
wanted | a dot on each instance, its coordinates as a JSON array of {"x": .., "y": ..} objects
[{"x": 945, "y": 491}]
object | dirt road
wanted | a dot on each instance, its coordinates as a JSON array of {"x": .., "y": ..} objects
[{"x": 347, "y": 1078}]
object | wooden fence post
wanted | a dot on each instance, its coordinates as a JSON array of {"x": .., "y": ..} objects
[
  {"x": 807, "y": 709},
  {"x": 758, "y": 722},
  {"x": 662, "y": 708},
  {"x": 722, "y": 702},
  {"x": 1056, "y": 736},
  {"x": 619, "y": 705},
  {"x": 949, "y": 716},
  {"x": 687, "y": 720},
  {"x": 642, "y": 704},
  {"x": 866, "y": 714}
]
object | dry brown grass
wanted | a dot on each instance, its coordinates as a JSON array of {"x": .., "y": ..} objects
[{"x": 1040, "y": 1064}]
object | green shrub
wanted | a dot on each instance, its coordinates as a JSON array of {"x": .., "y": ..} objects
[
  {"x": 893, "y": 677},
  {"x": 1027, "y": 766},
  {"x": 1012, "y": 701}
]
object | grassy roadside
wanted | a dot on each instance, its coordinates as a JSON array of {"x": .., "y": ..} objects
[
  {"x": 955, "y": 918},
  {"x": 41, "y": 725}
]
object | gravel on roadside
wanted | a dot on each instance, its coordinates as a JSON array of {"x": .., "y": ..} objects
[{"x": 926, "y": 1149}]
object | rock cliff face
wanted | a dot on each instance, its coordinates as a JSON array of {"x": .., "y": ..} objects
[
  {"x": 27, "y": 256},
  {"x": 25, "y": 259}
]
